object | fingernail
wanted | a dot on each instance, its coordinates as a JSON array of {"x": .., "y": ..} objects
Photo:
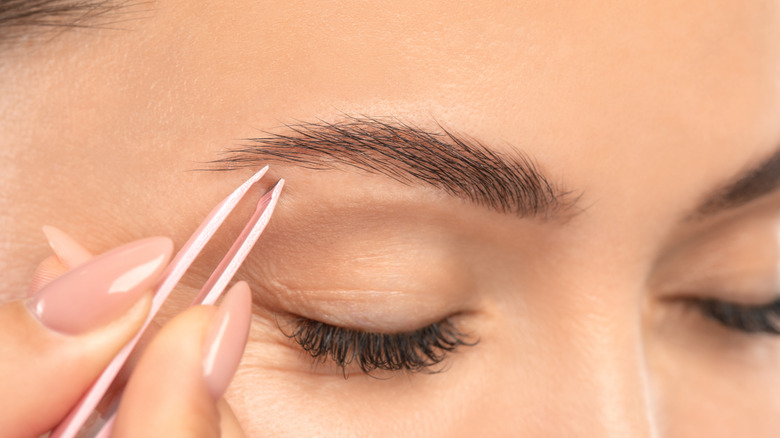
[
  {"x": 226, "y": 338},
  {"x": 102, "y": 289},
  {"x": 68, "y": 251}
]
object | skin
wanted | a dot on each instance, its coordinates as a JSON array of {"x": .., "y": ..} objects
[{"x": 642, "y": 108}]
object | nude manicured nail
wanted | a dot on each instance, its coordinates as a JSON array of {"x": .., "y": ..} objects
[
  {"x": 68, "y": 251},
  {"x": 226, "y": 338},
  {"x": 102, "y": 289}
]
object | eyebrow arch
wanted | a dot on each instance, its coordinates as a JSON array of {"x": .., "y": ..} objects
[
  {"x": 460, "y": 166},
  {"x": 757, "y": 182}
]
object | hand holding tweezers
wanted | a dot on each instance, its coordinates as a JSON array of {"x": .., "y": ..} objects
[{"x": 83, "y": 419}]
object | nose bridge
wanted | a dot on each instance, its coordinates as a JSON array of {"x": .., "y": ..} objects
[
  {"x": 607, "y": 372},
  {"x": 596, "y": 350},
  {"x": 582, "y": 374}
]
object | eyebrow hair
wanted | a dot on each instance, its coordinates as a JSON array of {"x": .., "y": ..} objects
[
  {"x": 460, "y": 166},
  {"x": 757, "y": 182},
  {"x": 20, "y": 19}
]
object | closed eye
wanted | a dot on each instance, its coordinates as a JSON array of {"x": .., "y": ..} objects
[
  {"x": 413, "y": 351},
  {"x": 748, "y": 319}
]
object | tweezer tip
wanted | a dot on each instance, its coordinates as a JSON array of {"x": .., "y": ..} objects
[
  {"x": 276, "y": 188},
  {"x": 259, "y": 174}
]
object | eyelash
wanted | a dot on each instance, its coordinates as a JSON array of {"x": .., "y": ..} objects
[
  {"x": 748, "y": 319},
  {"x": 415, "y": 351}
]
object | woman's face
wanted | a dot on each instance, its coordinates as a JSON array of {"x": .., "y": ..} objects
[{"x": 653, "y": 126}]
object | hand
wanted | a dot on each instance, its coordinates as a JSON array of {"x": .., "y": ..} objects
[{"x": 56, "y": 343}]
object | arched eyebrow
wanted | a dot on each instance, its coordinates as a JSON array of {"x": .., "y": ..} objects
[
  {"x": 757, "y": 182},
  {"x": 460, "y": 166}
]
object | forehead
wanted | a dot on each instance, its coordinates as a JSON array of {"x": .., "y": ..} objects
[
  {"x": 525, "y": 69},
  {"x": 528, "y": 61}
]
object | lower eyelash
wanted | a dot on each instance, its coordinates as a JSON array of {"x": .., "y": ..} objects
[
  {"x": 416, "y": 351},
  {"x": 749, "y": 319}
]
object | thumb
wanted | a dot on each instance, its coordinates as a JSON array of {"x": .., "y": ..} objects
[
  {"x": 175, "y": 387},
  {"x": 56, "y": 343}
]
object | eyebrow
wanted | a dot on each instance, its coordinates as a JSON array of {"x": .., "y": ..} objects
[
  {"x": 455, "y": 164},
  {"x": 21, "y": 19},
  {"x": 750, "y": 185}
]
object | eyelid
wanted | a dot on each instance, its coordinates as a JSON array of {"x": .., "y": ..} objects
[
  {"x": 734, "y": 260},
  {"x": 368, "y": 310}
]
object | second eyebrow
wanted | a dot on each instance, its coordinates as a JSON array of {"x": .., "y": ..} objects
[{"x": 755, "y": 183}]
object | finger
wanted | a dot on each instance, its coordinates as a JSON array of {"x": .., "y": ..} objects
[
  {"x": 174, "y": 389},
  {"x": 68, "y": 255},
  {"x": 229, "y": 425},
  {"x": 56, "y": 343}
]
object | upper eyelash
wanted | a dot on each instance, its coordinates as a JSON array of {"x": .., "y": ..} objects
[
  {"x": 413, "y": 351},
  {"x": 749, "y": 319}
]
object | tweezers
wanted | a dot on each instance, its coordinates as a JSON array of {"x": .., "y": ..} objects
[{"x": 83, "y": 420}]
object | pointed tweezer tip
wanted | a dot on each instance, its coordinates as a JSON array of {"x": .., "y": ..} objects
[
  {"x": 277, "y": 187},
  {"x": 259, "y": 174},
  {"x": 274, "y": 191},
  {"x": 271, "y": 196}
]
